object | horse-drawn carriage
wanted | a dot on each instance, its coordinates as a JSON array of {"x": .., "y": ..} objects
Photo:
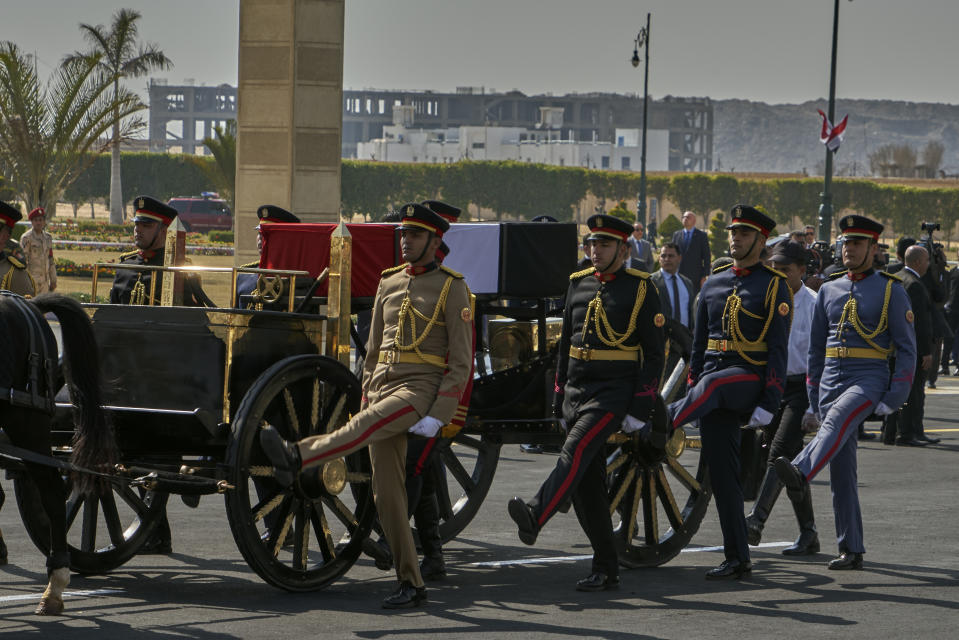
[{"x": 190, "y": 388}]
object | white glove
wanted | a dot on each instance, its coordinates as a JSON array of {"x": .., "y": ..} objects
[
  {"x": 631, "y": 424},
  {"x": 427, "y": 426},
  {"x": 810, "y": 422},
  {"x": 760, "y": 418},
  {"x": 883, "y": 409}
]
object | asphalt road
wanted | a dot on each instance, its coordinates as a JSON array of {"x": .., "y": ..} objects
[{"x": 496, "y": 585}]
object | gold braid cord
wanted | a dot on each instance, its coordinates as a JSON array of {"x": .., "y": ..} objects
[
  {"x": 408, "y": 311},
  {"x": 604, "y": 331},
  {"x": 7, "y": 280},
  {"x": 138, "y": 294},
  {"x": 850, "y": 312},
  {"x": 734, "y": 306}
]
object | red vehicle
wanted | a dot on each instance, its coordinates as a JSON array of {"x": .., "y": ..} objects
[{"x": 204, "y": 212}]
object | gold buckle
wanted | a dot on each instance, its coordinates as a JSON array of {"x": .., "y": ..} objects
[
  {"x": 842, "y": 352},
  {"x": 584, "y": 354},
  {"x": 391, "y": 357},
  {"x": 724, "y": 345}
]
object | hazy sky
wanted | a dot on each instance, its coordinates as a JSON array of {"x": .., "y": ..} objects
[{"x": 768, "y": 50}]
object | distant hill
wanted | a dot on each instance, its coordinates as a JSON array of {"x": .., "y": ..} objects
[{"x": 755, "y": 136}]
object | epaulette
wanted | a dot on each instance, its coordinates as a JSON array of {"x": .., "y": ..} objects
[
  {"x": 775, "y": 272},
  {"x": 393, "y": 270},
  {"x": 16, "y": 263},
  {"x": 129, "y": 254},
  {"x": 722, "y": 268},
  {"x": 455, "y": 274},
  {"x": 637, "y": 273},
  {"x": 838, "y": 274},
  {"x": 891, "y": 276},
  {"x": 582, "y": 274},
  {"x": 251, "y": 265}
]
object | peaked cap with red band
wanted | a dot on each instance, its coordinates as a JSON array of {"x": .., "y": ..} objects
[
  {"x": 416, "y": 216},
  {"x": 604, "y": 226},
  {"x": 745, "y": 216},
  {"x": 36, "y": 212},
  {"x": 9, "y": 214},
  {"x": 446, "y": 211},
  {"x": 854, "y": 226},
  {"x": 152, "y": 210},
  {"x": 442, "y": 251},
  {"x": 269, "y": 213}
]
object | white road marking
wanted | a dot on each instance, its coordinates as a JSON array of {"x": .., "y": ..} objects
[
  {"x": 506, "y": 563},
  {"x": 66, "y": 594}
]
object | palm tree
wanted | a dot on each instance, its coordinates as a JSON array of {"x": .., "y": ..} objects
[
  {"x": 50, "y": 134},
  {"x": 121, "y": 57},
  {"x": 222, "y": 171}
]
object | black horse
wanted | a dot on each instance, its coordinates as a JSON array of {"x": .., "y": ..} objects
[{"x": 29, "y": 379}]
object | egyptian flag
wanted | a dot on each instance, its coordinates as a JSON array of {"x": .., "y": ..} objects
[{"x": 832, "y": 136}]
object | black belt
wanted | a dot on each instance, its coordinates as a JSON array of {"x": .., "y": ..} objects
[{"x": 798, "y": 377}]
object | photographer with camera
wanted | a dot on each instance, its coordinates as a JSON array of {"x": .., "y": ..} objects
[{"x": 934, "y": 281}]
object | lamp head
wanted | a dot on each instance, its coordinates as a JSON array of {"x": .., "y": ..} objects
[{"x": 635, "y": 59}]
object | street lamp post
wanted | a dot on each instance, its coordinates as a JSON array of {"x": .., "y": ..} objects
[
  {"x": 825, "y": 206},
  {"x": 642, "y": 40}
]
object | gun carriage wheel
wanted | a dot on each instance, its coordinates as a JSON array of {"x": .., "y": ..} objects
[
  {"x": 647, "y": 486},
  {"x": 103, "y": 531},
  {"x": 303, "y": 537}
]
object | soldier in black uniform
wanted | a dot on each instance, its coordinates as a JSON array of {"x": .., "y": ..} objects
[
  {"x": 13, "y": 272},
  {"x": 607, "y": 377},
  {"x": 246, "y": 283},
  {"x": 149, "y": 235},
  {"x": 737, "y": 371}
]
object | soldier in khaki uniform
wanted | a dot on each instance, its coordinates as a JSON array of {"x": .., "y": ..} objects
[
  {"x": 13, "y": 273},
  {"x": 417, "y": 365},
  {"x": 37, "y": 246}
]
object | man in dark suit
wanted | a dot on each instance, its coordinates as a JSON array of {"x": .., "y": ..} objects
[
  {"x": 640, "y": 251},
  {"x": 695, "y": 251},
  {"x": 674, "y": 286},
  {"x": 903, "y": 426}
]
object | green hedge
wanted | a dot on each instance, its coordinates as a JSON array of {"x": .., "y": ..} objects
[{"x": 526, "y": 190}]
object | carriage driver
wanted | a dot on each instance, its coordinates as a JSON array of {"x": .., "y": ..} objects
[
  {"x": 418, "y": 362},
  {"x": 13, "y": 273},
  {"x": 607, "y": 377}
]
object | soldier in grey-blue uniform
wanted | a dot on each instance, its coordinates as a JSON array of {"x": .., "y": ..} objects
[
  {"x": 862, "y": 317},
  {"x": 737, "y": 371},
  {"x": 247, "y": 283}
]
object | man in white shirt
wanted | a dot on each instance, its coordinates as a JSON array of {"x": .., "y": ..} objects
[
  {"x": 785, "y": 432},
  {"x": 676, "y": 293}
]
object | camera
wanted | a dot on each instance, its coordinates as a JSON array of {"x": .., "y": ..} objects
[
  {"x": 929, "y": 227},
  {"x": 820, "y": 256}
]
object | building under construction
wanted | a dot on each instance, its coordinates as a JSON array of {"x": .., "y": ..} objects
[{"x": 181, "y": 116}]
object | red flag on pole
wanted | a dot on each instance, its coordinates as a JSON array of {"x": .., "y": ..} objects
[{"x": 832, "y": 136}]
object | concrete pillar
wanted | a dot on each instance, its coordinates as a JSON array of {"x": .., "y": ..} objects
[{"x": 289, "y": 112}]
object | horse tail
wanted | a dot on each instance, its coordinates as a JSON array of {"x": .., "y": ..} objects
[{"x": 94, "y": 444}]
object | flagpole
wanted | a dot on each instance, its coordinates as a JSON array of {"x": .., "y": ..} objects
[{"x": 825, "y": 206}]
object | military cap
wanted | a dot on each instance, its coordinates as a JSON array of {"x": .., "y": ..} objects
[
  {"x": 602, "y": 225},
  {"x": 416, "y": 216},
  {"x": 269, "y": 213},
  {"x": 442, "y": 252},
  {"x": 790, "y": 252},
  {"x": 544, "y": 219},
  {"x": 447, "y": 211},
  {"x": 854, "y": 226},
  {"x": 9, "y": 214},
  {"x": 152, "y": 210},
  {"x": 744, "y": 215},
  {"x": 36, "y": 212}
]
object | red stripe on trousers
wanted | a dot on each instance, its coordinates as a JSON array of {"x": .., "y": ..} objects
[
  {"x": 832, "y": 450},
  {"x": 352, "y": 443},
  {"x": 421, "y": 462},
  {"x": 577, "y": 458},
  {"x": 745, "y": 377}
]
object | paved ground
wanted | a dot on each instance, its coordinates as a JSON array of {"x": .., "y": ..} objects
[{"x": 910, "y": 586}]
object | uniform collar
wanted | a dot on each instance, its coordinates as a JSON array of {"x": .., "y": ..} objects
[
  {"x": 743, "y": 271},
  {"x": 146, "y": 254},
  {"x": 607, "y": 277},
  {"x": 856, "y": 277},
  {"x": 418, "y": 271}
]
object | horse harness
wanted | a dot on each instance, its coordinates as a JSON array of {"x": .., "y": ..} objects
[{"x": 41, "y": 364}]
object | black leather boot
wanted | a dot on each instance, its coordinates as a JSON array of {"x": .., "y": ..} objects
[
  {"x": 427, "y": 517},
  {"x": 768, "y": 493},
  {"x": 797, "y": 488}
]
